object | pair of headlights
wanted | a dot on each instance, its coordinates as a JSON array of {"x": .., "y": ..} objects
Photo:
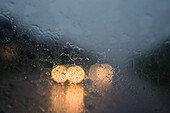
[{"x": 75, "y": 74}]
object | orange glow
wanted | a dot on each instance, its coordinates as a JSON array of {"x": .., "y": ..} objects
[
  {"x": 7, "y": 52},
  {"x": 59, "y": 74},
  {"x": 101, "y": 74},
  {"x": 75, "y": 74},
  {"x": 67, "y": 99},
  {"x": 75, "y": 99},
  {"x": 57, "y": 99}
]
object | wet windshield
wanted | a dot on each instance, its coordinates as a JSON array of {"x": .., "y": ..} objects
[{"x": 84, "y": 56}]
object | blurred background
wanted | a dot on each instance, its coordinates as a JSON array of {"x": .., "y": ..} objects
[{"x": 133, "y": 37}]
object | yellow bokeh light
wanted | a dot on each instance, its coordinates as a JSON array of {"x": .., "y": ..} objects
[
  {"x": 101, "y": 75},
  {"x": 101, "y": 71},
  {"x": 59, "y": 74},
  {"x": 75, "y": 74}
]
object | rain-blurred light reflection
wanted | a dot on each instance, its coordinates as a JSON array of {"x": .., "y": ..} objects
[{"x": 67, "y": 99}]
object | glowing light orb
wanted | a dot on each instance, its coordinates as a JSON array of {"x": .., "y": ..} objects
[
  {"x": 75, "y": 74},
  {"x": 101, "y": 71},
  {"x": 101, "y": 75},
  {"x": 59, "y": 74}
]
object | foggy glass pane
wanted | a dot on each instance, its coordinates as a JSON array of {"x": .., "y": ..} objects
[{"x": 84, "y": 56}]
